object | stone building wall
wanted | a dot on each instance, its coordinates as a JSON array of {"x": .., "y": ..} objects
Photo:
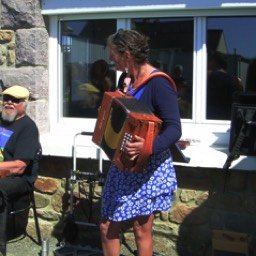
[
  {"x": 203, "y": 202},
  {"x": 24, "y": 54}
]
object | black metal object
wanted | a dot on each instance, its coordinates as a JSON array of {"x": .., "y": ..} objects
[
  {"x": 18, "y": 215},
  {"x": 178, "y": 155},
  {"x": 244, "y": 118},
  {"x": 71, "y": 224},
  {"x": 243, "y": 129}
]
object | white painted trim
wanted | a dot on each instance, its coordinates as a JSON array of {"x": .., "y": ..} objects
[{"x": 53, "y": 8}]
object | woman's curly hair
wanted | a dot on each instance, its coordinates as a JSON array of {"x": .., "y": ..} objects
[{"x": 132, "y": 40}]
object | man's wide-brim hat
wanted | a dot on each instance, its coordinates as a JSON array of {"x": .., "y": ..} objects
[{"x": 17, "y": 91}]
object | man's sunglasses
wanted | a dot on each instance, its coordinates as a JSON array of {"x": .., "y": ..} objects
[{"x": 12, "y": 99}]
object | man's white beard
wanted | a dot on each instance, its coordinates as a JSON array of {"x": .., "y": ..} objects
[{"x": 9, "y": 117}]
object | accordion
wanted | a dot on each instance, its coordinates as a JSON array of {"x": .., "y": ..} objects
[{"x": 120, "y": 118}]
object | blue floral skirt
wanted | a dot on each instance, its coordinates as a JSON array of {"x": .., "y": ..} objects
[{"x": 129, "y": 194}]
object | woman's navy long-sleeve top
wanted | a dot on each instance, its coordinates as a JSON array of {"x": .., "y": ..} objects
[{"x": 160, "y": 97}]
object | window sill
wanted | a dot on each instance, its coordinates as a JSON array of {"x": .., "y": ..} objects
[
  {"x": 215, "y": 157},
  {"x": 61, "y": 144}
]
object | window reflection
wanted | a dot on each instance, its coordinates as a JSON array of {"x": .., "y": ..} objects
[
  {"x": 87, "y": 72},
  {"x": 220, "y": 87},
  {"x": 250, "y": 85},
  {"x": 171, "y": 45},
  {"x": 231, "y": 54}
]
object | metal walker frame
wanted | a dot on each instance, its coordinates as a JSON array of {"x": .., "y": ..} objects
[{"x": 91, "y": 177}]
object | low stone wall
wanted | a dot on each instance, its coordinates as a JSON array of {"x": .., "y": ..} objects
[
  {"x": 52, "y": 195},
  {"x": 201, "y": 204}
]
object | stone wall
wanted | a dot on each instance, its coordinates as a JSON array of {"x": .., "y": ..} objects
[
  {"x": 24, "y": 54},
  {"x": 53, "y": 199},
  {"x": 201, "y": 204}
]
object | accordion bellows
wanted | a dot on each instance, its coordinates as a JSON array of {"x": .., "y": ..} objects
[{"x": 120, "y": 118}]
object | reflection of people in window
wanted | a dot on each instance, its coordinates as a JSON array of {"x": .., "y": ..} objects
[
  {"x": 178, "y": 75},
  {"x": 101, "y": 80},
  {"x": 184, "y": 92},
  {"x": 220, "y": 88},
  {"x": 101, "y": 76},
  {"x": 251, "y": 77}
]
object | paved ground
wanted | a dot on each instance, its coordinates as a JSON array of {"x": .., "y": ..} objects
[{"x": 25, "y": 246}]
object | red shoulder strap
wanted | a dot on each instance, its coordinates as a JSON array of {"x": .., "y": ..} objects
[{"x": 159, "y": 73}]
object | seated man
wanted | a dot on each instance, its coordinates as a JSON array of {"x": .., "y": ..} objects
[{"x": 19, "y": 152}]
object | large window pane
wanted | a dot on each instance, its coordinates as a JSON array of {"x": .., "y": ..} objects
[
  {"x": 231, "y": 50},
  {"x": 171, "y": 44},
  {"x": 87, "y": 72}
]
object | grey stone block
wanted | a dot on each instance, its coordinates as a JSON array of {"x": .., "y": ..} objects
[
  {"x": 21, "y": 14},
  {"x": 32, "y": 47}
]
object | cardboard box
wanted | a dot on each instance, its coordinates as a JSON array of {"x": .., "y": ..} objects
[{"x": 230, "y": 241}]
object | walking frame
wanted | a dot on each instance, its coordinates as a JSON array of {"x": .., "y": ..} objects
[
  {"x": 88, "y": 176},
  {"x": 68, "y": 246}
]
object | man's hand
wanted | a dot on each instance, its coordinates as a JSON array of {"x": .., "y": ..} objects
[
  {"x": 15, "y": 167},
  {"x": 4, "y": 173}
]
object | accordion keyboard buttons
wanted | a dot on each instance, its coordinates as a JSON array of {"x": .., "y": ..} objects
[{"x": 127, "y": 137}]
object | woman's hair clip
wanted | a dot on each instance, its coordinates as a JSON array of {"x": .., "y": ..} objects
[{"x": 144, "y": 49}]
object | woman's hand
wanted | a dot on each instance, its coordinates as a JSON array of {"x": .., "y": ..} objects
[{"x": 134, "y": 148}]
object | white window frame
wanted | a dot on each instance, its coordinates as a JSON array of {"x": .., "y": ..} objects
[{"x": 203, "y": 134}]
